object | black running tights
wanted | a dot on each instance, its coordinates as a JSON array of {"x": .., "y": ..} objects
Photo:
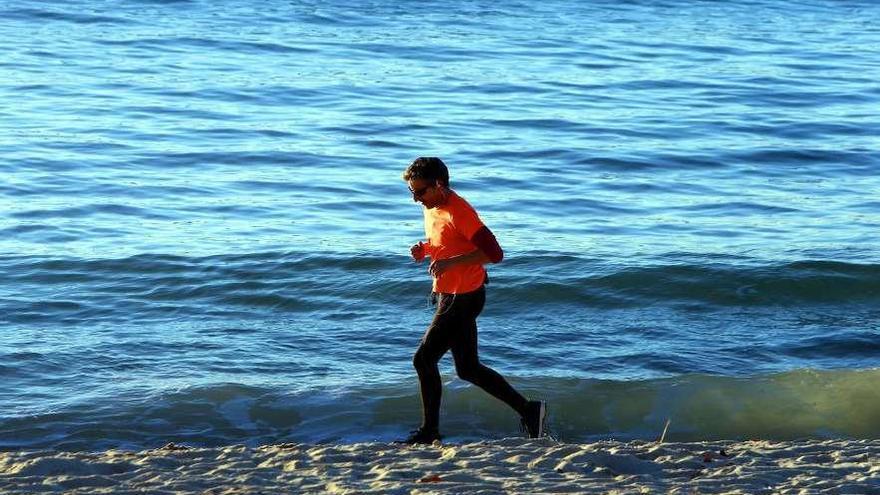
[{"x": 455, "y": 327}]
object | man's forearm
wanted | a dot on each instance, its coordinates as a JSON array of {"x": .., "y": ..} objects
[{"x": 475, "y": 257}]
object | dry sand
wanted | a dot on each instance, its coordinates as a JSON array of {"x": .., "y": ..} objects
[{"x": 500, "y": 466}]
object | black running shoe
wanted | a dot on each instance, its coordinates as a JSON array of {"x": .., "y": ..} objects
[
  {"x": 533, "y": 419},
  {"x": 421, "y": 436}
]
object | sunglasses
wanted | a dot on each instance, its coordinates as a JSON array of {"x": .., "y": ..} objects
[{"x": 418, "y": 193}]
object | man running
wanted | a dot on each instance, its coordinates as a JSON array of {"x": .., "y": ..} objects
[{"x": 459, "y": 244}]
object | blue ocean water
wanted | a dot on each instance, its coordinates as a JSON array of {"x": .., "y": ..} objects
[{"x": 205, "y": 235}]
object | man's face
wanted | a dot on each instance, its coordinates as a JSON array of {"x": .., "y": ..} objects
[{"x": 425, "y": 192}]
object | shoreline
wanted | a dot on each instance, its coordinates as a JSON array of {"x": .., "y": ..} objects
[{"x": 510, "y": 465}]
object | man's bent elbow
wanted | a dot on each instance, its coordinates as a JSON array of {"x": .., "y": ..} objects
[
  {"x": 492, "y": 254},
  {"x": 485, "y": 240},
  {"x": 495, "y": 257}
]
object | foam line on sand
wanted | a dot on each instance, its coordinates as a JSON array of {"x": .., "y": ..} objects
[{"x": 498, "y": 466}]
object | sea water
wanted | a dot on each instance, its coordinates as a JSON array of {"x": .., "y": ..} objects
[{"x": 204, "y": 235}]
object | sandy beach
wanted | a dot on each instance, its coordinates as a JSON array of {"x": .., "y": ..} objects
[{"x": 498, "y": 466}]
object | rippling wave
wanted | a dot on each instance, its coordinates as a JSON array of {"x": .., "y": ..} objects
[
  {"x": 144, "y": 286},
  {"x": 785, "y": 406}
]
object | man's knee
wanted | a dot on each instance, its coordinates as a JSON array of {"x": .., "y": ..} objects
[
  {"x": 468, "y": 372},
  {"x": 422, "y": 359},
  {"x": 418, "y": 360}
]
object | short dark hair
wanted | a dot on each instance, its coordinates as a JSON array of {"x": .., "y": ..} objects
[{"x": 428, "y": 168}]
